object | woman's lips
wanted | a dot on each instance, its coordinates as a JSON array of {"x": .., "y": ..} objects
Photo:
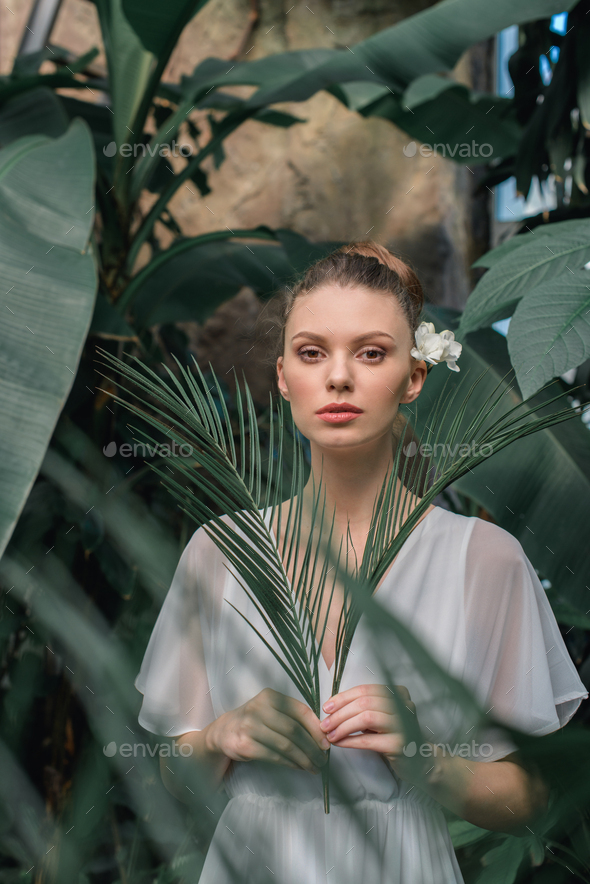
[{"x": 338, "y": 417}]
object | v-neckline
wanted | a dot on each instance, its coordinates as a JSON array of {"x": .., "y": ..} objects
[{"x": 406, "y": 546}]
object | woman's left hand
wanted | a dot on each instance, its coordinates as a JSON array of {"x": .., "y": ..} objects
[{"x": 371, "y": 709}]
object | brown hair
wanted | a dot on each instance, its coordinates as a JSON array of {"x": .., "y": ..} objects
[{"x": 366, "y": 264}]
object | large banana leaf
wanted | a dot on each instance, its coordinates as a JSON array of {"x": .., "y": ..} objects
[
  {"x": 159, "y": 25},
  {"x": 426, "y": 43},
  {"x": 550, "y": 330},
  {"x": 191, "y": 278},
  {"x": 466, "y": 126},
  {"x": 36, "y": 112},
  {"x": 373, "y": 77},
  {"x": 532, "y": 259},
  {"x": 539, "y": 488},
  {"x": 130, "y": 67},
  {"x": 139, "y": 39},
  {"x": 47, "y": 268},
  {"x": 540, "y": 277}
]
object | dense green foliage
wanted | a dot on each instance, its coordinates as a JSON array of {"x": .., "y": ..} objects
[{"x": 92, "y": 540}]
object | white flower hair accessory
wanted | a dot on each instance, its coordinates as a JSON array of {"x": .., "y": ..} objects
[{"x": 435, "y": 347}]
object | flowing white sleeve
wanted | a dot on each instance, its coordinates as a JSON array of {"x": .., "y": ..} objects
[
  {"x": 517, "y": 661},
  {"x": 173, "y": 676}
]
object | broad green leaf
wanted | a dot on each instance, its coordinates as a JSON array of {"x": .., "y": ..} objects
[
  {"x": 441, "y": 112},
  {"x": 191, "y": 278},
  {"x": 538, "y": 488},
  {"x": 549, "y": 332},
  {"x": 107, "y": 322},
  {"x": 426, "y": 88},
  {"x": 583, "y": 78},
  {"x": 30, "y": 62},
  {"x": 129, "y": 65},
  {"x": 515, "y": 242},
  {"x": 159, "y": 25},
  {"x": 300, "y": 251},
  {"x": 98, "y": 116},
  {"x": 194, "y": 276},
  {"x": 36, "y": 112},
  {"x": 426, "y": 43},
  {"x": 47, "y": 268},
  {"x": 502, "y": 862},
  {"x": 463, "y": 833},
  {"x": 84, "y": 477},
  {"x": 537, "y": 261},
  {"x": 567, "y": 614},
  {"x": 465, "y": 126}
]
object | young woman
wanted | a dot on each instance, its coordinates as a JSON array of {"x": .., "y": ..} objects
[{"x": 463, "y": 585}]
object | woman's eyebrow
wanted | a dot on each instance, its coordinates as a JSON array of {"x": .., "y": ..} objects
[{"x": 317, "y": 337}]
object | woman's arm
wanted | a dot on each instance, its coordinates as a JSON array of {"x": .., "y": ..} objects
[
  {"x": 213, "y": 764},
  {"x": 270, "y": 727},
  {"x": 502, "y": 796}
]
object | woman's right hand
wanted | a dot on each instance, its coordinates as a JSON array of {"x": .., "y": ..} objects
[{"x": 270, "y": 727}]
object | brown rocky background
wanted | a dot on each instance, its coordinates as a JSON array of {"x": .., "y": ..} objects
[{"x": 337, "y": 176}]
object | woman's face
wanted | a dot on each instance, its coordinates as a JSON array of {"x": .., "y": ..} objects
[{"x": 348, "y": 345}]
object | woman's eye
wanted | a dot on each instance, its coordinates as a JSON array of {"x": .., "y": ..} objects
[
  {"x": 308, "y": 352},
  {"x": 376, "y": 354},
  {"x": 373, "y": 350}
]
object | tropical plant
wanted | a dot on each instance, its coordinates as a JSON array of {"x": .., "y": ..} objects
[
  {"x": 395, "y": 74},
  {"x": 96, "y": 541},
  {"x": 292, "y": 613},
  {"x": 47, "y": 266},
  {"x": 539, "y": 488},
  {"x": 540, "y": 279}
]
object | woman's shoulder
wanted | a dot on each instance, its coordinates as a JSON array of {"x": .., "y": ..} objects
[
  {"x": 479, "y": 528},
  {"x": 483, "y": 541}
]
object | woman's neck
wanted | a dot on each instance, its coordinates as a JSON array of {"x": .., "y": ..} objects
[{"x": 350, "y": 485}]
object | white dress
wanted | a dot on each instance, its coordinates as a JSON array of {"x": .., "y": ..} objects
[{"x": 468, "y": 592}]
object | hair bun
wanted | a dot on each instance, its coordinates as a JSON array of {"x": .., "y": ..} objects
[{"x": 407, "y": 276}]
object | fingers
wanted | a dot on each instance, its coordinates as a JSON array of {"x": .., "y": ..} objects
[
  {"x": 299, "y": 712},
  {"x": 364, "y": 713},
  {"x": 288, "y": 730},
  {"x": 279, "y": 749},
  {"x": 289, "y": 723},
  {"x": 369, "y": 720},
  {"x": 399, "y": 693},
  {"x": 386, "y": 744}
]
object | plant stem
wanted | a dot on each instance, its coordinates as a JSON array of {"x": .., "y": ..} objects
[{"x": 326, "y": 782}]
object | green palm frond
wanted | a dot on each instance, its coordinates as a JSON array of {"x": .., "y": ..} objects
[{"x": 292, "y": 611}]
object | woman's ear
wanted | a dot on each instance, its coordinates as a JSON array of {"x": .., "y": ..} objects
[
  {"x": 416, "y": 381},
  {"x": 281, "y": 379}
]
